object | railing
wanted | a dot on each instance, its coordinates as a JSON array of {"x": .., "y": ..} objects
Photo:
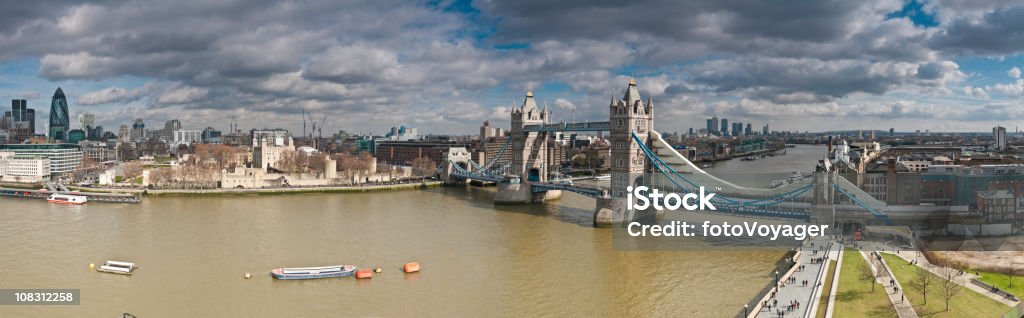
[
  {"x": 878, "y": 214},
  {"x": 593, "y": 192},
  {"x": 580, "y": 126}
]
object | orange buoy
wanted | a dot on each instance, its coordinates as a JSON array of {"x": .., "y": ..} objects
[
  {"x": 364, "y": 273},
  {"x": 411, "y": 267}
]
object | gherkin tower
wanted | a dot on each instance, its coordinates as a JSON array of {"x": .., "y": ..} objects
[{"x": 59, "y": 120}]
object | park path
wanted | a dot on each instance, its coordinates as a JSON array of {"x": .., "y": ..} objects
[
  {"x": 922, "y": 262},
  {"x": 903, "y": 307},
  {"x": 961, "y": 279}
]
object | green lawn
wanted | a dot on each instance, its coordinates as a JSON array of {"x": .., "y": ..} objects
[
  {"x": 826, "y": 289},
  {"x": 854, "y": 297},
  {"x": 1003, "y": 282},
  {"x": 967, "y": 303}
]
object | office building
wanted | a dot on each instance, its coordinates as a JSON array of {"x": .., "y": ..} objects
[
  {"x": 86, "y": 121},
  {"x": 59, "y": 120},
  {"x": 64, "y": 158},
  {"x": 724, "y": 127},
  {"x": 123, "y": 134},
  {"x": 170, "y": 127},
  {"x": 20, "y": 124},
  {"x": 999, "y": 138},
  {"x": 713, "y": 129},
  {"x": 23, "y": 168},
  {"x": 211, "y": 135},
  {"x": 186, "y": 137},
  {"x": 486, "y": 131},
  {"x": 138, "y": 131},
  {"x": 75, "y": 135}
]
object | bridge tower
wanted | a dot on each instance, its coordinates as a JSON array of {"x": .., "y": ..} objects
[
  {"x": 629, "y": 165},
  {"x": 529, "y": 149},
  {"x": 823, "y": 200}
]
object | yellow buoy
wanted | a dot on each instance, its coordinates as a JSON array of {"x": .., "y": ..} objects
[
  {"x": 247, "y": 275},
  {"x": 92, "y": 266},
  {"x": 378, "y": 270}
]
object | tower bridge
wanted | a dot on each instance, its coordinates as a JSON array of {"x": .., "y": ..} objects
[{"x": 639, "y": 156}]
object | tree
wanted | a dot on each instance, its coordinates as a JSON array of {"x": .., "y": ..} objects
[
  {"x": 423, "y": 167},
  {"x": 288, "y": 162},
  {"x": 923, "y": 283},
  {"x": 865, "y": 274},
  {"x": 1009, "y": 272},
  {"x": 131, "y": 169},
  {"x": 948, "y": 287}
]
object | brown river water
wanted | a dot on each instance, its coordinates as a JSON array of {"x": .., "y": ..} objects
[{"x": 478, "y": 259}]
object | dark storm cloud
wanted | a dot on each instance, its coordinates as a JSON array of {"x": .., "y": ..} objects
[
  {"x": 994, "y": 33},
  {"x": 778, "y": 79}
]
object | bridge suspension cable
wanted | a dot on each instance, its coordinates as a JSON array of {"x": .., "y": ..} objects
[{"x": 662, "y": 166}]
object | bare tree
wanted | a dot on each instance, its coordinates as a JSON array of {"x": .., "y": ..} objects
[
  {"x": 289, "y": 162},
  {"x": 423, "y": 167},
  {"x": 131, "y": 169},
  {"x": 865, "y": 274},
  {"x": 948, "y": 287},
  {"x": 923, "y": 283}
]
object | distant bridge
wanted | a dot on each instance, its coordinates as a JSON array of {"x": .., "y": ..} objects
[
  {"x": 563, "y": 126},
  {"x": 640, "y": 156}
]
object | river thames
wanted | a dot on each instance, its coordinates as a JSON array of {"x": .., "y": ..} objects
[{"x": 478, "y": 259}]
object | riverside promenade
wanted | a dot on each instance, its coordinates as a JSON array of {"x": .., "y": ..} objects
[
  {"x": 790, "y": 287},
  {"x": 288, "y": 190}
]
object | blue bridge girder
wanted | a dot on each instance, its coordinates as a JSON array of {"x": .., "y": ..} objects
[
  {"x": 878, "y": 214},
  {"x": 593, "y": 192},
  {"x": 482, "y": 175},
  {"x": 580, "y": 126}
]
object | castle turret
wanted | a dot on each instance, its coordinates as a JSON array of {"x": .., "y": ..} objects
[{"x": 628, "y": 117}]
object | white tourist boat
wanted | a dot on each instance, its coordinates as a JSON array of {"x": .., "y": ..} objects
[
  {"x": 115, "y": 267},
  {"x": 61, "y": 198}
]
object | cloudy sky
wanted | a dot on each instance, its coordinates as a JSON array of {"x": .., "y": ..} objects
[{"x": 445, "y": 67}]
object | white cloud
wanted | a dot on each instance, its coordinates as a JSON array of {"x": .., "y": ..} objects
[{"x": 398, "y": 61}]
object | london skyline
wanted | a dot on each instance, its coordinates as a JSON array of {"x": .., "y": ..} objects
[{"x": 445, "y": 67}]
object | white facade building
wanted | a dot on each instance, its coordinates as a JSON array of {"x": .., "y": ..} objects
[
  {"x": 15, "y": 168},
  {"x": 63, "y": 158},
  {"x": 186, "y": 137}
]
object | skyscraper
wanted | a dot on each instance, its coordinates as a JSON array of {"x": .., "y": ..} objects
[
  {"x": 21, "y": 124},
  {"x": 86, "y": 121},
  {"x": 170, "y": 127},
  {"x": 486, "y": 131},
  {"x": 710, "y": 127},
  {"x": 714, "y": 125},
  {"x": 59, "y": 121},
  {"x": 764, "y": 131},
  {"x": 31, "y": 120},
  {"x": 725, "y": 127},
  {"x": 138, "y": 130},
  {"x": 749, "y": 131},
  {"x": 999, "y": 135}
]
